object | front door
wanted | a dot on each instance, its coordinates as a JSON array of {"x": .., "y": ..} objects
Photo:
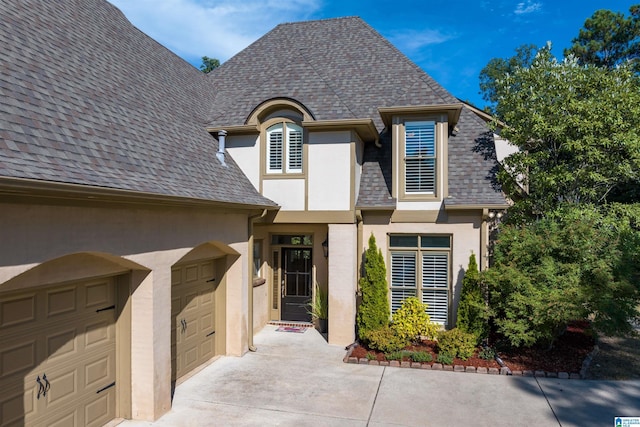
[{"x": 296, "y": 284}]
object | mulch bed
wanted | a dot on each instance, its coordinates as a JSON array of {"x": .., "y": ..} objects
[{"x": 567, "y": 354}]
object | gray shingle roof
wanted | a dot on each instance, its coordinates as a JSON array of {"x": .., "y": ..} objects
[
  {"x": 343, "y": 69},
  {"x": 338, "y": 68},
  {"x": 86, "y": 98}
]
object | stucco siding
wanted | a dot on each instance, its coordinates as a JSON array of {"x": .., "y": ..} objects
[
  {"x": 330, "y": 171},
  {"x": 288, "y": 193},
  {"x": 245, "y": 151}
]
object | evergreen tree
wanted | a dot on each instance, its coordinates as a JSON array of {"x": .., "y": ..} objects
[
  {"x": 373, "y": 313},
  {"x": 472, "y": 311}
]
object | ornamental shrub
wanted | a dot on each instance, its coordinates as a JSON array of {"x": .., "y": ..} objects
[
  {"x": 457, "y": 343},
  {"x": 421, "y": 356},
  {"x": 578, "y": 262},
  {"x": 385, "y": 340},
  {"x": 444, "y": 358},
  {"x": 373, "y": 312},
  {"x": 411, "y": 321},
  {"x": 472, "y": 310}
]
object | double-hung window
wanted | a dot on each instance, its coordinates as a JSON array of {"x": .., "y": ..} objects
[
  {"x": 284, "y": 148},
  {"x": 420, "y": 157},
  {"x": 420, "y": 268}
]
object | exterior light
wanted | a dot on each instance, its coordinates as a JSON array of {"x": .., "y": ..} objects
[{"x": 325, "y": 247}]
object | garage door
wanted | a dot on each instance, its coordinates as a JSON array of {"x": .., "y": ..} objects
[
  {"x": 192, "y": 311},
  {"x": 57, "y": 355}
]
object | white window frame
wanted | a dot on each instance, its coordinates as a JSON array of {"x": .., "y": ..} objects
[
  {"x": 284, "y": 154},
  {"x": 420, "y": 153},
  {"x": 427, "y": 276}
]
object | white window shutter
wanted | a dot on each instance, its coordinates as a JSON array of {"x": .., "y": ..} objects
[
  {"x": 294, "y": 148},
  {"x": 403, "y": 278},
  {"x": 274, "y": 149},
  {"x": 435, "y": 286}
]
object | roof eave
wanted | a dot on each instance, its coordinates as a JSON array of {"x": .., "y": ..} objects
[
  {"x": 453, "y": 111},
  {"x": 365, "y": 128}
]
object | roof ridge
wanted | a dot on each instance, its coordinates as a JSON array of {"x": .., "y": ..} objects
[{"x": 312, "y": 21}]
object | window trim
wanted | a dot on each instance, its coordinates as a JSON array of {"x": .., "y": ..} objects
[
  {"x": 419, "y": 289},
  {"x": 441, "y": 163}
]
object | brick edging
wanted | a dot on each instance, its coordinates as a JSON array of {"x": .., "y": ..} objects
[{"x": 472, "y": 369}]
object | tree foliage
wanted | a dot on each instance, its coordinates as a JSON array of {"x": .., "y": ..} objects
[
  {"x": 411, "y": 321},
  {"x": 580, "y": 262},
  {"x": 608, "y": 39},
  {"x": 209, "y": 64},
  {"x": 577, "y": 128},
  {"x": 472, "y": 310},
  {"x": 373, "y": 312},
  {"x": 497, "y": 68}
]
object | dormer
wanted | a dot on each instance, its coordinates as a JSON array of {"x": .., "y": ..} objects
[{"x": 420, "y": 152}]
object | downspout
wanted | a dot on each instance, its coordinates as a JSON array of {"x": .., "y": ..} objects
[
  {"x": 484, "y": 240},
  {"x": 359, "y": 239},
  {"x": 251, "y": 221}
]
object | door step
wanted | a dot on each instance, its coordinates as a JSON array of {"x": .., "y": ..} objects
[{"x": 291, "y": 323}]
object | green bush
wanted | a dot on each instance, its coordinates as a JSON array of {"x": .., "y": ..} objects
[
  {"x": 577, "y": 263},
  {"x": 472, "y": 311},
  {"x": 444, "y": 358},
  {"x": 371, "y": 356},
  {"x": 373, "y": 312},
  {"x": 487, "y": 353},
  {"x": 385, "y": 340},
  {"x": 394, "y": 355},
  {"x": 457, "y": 343},
  {"x": 411, "y": 321},
  {"x": 421, "y": 356}
]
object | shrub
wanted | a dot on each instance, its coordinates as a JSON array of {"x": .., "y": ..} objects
[
  {"x": 385, "y": 340},
  {"x": 457, "y": 343},
  {"x": 394, "y": 355},
  {"x": 444, "y": 358},
  {"x": 577, "y": 263},
  {"x": 472, "y": 310},
  {"x": 487, "y": 353},
  {"x": 412, "y": 321},
  {"x": 421, "y": 356},
  {"x": 373, "y": 312},
  {"x": 371, "y": 356}
]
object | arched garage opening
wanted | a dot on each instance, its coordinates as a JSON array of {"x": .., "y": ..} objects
[
  {"x": 198, "y": 307},
  {"x": 65, "y": 333}
]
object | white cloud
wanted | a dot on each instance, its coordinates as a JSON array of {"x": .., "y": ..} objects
[
  {"x": 414, "y": 40},
  {"x": 217, "y": 29},
  {"x": 527, "y": 7}
]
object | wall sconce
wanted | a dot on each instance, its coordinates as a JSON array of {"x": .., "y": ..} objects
[{"x": 325, "y": 247}]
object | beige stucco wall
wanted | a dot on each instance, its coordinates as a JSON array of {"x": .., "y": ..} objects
[
  {"x": 245, "y": 151},
  {"x": 154, "y": 238},
  {"x": 288, "y": 193},
  {"x": 329, "y": 171},
  {"x": 463, "y": 226},
  {"x": 342, "y": 283}
]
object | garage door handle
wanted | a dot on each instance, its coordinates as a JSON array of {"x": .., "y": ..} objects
[
  {"x": 184, "y": 325},
  {"x": 106, "y": 387},
  {"x": 43, "y": 388},
  {"x": 210, "y": 333}
]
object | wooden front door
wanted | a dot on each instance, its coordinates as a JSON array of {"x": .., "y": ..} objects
[{"x": 296, "y": 284}]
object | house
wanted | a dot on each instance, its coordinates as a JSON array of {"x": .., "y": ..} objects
[{"x": 154, "y": 217}]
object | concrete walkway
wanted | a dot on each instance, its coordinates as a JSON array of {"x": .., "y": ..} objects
[{"x": 298, "y": 380}]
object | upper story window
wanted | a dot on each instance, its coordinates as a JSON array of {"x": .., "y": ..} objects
[
  {"x": 420, "y": 157},
  {"x": 284, "y": 148}
]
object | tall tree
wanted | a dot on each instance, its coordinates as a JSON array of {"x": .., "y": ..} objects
[
  {"x": 209, "y": 64},
  {"x": 578, "y": 130},
  {"x": 608, "y": 39},
  {"x": 497, "y": 68}
]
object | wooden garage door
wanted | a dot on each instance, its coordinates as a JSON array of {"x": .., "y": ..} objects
[
  {"x": 57, "y": 355},
  {"x": 192, "y": 312}
]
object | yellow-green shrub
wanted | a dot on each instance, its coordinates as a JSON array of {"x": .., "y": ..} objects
[
  {"x": 385, "y": 340},
  {"x": 457, "y": 343},
  {"x": 411, "y": 321}
]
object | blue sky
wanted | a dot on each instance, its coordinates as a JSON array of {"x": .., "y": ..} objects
[{"x": 450, "y": 40}]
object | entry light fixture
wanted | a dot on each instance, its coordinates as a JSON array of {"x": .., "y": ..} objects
[{"x": 325, "y": 247}]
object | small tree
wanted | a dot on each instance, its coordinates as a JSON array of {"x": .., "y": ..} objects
[
  {"x": 209, "y": 64},
  {"x": 472, "y": 310},
  {"x": 373, "y": 312}
]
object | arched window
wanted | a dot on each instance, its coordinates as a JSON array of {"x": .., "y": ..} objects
[{"x": 284, "y": 148}]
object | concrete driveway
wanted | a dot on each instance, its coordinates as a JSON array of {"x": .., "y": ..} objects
[{"x": 297, "y": 379}]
